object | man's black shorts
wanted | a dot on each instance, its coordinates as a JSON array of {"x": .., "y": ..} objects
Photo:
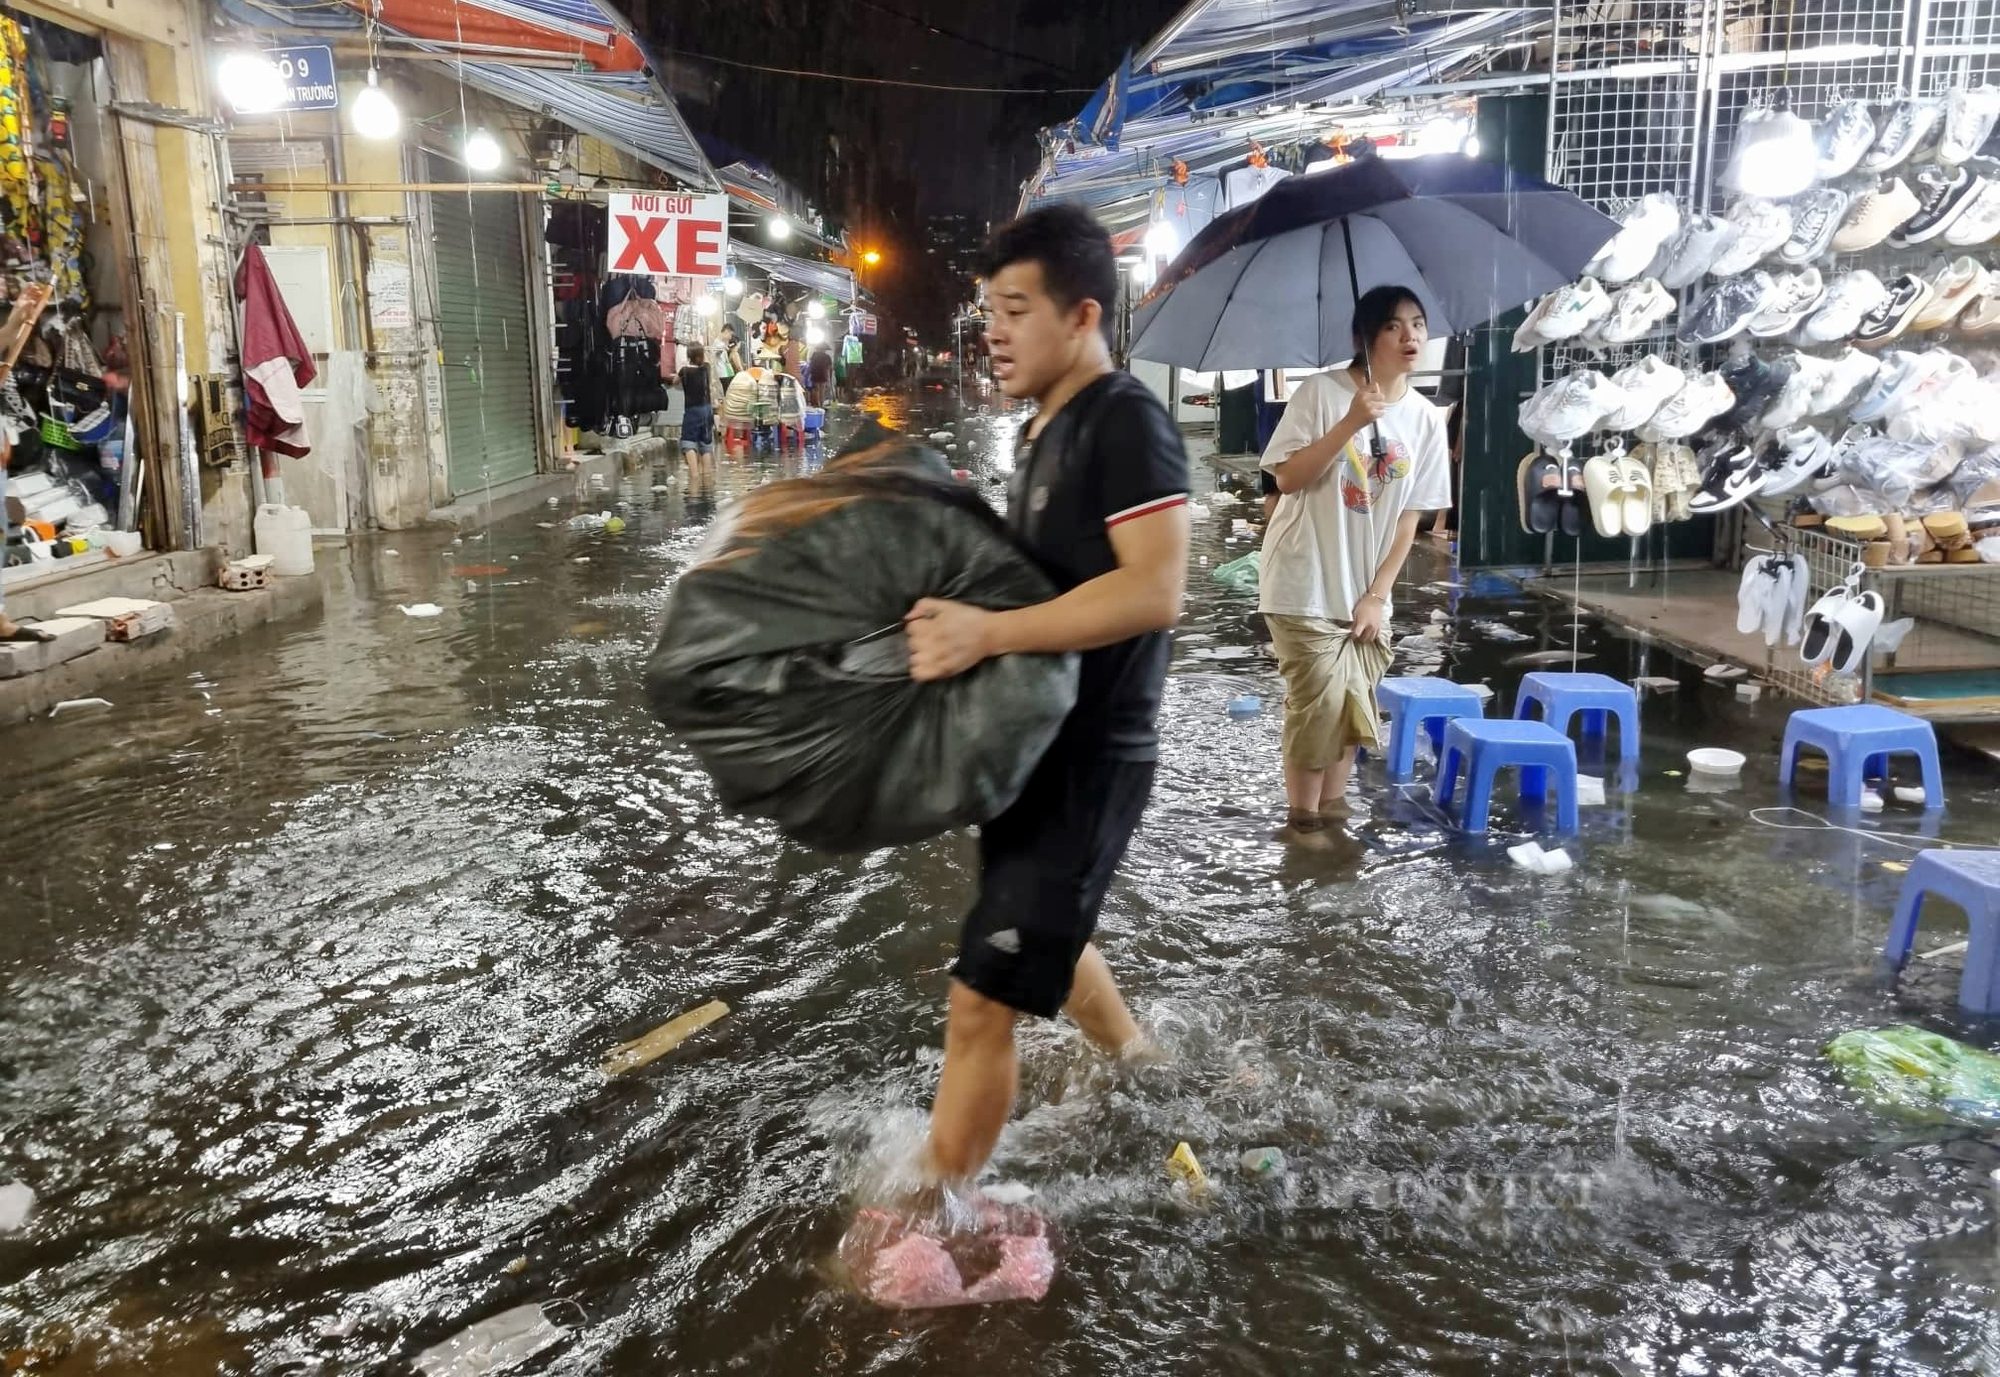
[{"x": 1044, "y": 866}]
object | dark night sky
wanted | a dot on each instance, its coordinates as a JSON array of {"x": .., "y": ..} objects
[{"x": 904, "y": 153}]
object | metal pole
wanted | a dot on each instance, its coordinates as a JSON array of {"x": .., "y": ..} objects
[{"x": 1367, "y": 369}]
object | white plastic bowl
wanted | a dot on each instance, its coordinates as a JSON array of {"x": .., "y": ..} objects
[{"x": 1715, "y": 761}]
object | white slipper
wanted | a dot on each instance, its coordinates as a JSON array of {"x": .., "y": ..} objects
[
  {"x": 1636, "y": 489},
  {"x": 1600, "y": 481},
  {"x": 1857, "y": 618},
  {"x": 1822, "y": 626},
  {"x": 1750, "y": 595}
]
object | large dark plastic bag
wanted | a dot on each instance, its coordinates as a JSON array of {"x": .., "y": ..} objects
[{"x": 782, "y": 665}]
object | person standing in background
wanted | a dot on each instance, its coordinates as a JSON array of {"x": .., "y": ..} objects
[
  {"x": 697, "y": 416},
  {"x": 1338, "y": 540},
  {"x": 728, "y": 359}
]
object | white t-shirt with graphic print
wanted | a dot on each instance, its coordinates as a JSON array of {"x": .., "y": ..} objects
[{"x": 1325, "y": 543}]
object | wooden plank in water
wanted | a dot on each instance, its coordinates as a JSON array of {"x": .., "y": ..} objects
[{"x": 629, "y": 1056}]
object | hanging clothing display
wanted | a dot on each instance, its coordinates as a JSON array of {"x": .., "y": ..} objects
[
  {"x": 1246, "y": 184},
  {"x": 276, "y": 362}
]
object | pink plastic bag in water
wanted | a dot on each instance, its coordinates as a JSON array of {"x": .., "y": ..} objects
[{"x": 914, "y": 1265}]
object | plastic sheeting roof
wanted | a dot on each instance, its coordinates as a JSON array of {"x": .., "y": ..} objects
[
  {"x": 835, "y": 281},
  {"x": 625, "y": 110}
]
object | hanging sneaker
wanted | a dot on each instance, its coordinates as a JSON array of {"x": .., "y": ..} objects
[
  {"x": 1849, "y": 297},
  {"x": 1843, "y": 137},
  {"x": 1762, "y": 227},
  {"x": 1634, "y": 312},
  {"x": 1728, "y": 308},
  {"x": 1954, "y": 287},
  {"x": 1794, "y": 297},
  {"x": 1816, "y": 217},
  {"x": 1647, "y": 385},
  {"x": 1981, "y": 318},
  {"x": 1756, "y": 383},
  {"x": 1570, "y": 407},
  {"x": 1945, "y": 193},
  {"x": 1563, "y": 314},
  {"x": 1804, "y": 453},
  {"x": 1647, "y": 224},
  {"x": 1898, "y": 369},
  {"x": 1906, "y": 299},
  {"x": 1969, "y": 117},
  {"x": 1875, "y": 215},
  {"x": 1700, "y": 400},
  {"x": 1686, "y": 257},
  {"x": 1845, "y": 378},
  {"x": 1794, "y": 400},
  {"x": 1768, "y": 139},
  {"x": 1902, "y": 134},
  {"x": 1731, "y": 475},
  {"x": 1980, "y": 223}
]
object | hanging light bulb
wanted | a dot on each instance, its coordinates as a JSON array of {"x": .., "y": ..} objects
[
  {"x": 816, "y": 309},
  {"x": 815, "y": 336},
  {"x": 780, "y": 227},
  {"x": 1471, "y": 149},
  {"x": 250, "y": 83},
  {"x": 375, "y": 115},
  {"x": 1161, "y": 241},
  {"x": 733, "y": 286},
  {"x": 482, "y": 151},
  {"x": 711, "y": 304}
]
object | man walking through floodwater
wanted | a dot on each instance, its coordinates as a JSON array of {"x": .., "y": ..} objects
[{"x": 1099, "y": 498}]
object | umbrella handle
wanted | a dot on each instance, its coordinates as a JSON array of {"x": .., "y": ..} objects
[{"x": 1367, "y": 370}]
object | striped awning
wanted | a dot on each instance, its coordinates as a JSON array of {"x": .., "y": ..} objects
[
  {"x": 829, "y": 278},
  {"x": 625, "y": 110}
]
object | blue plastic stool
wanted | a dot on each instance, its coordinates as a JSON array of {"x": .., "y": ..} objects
[
  {"x": 1970, "y": 879},
  {"x": 1858, "y": 741},
  {"x": 815, "y": 422},
  {"x": 1485, "y": 746},
  {"x": 1598, "y": 697},
  {"x": 1421, "y": 703}
]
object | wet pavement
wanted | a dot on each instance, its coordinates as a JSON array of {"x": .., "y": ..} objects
[{"x": 309, "y": 958}]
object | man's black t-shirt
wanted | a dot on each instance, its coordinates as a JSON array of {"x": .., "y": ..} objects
[{"x": 1110, "y": 455}]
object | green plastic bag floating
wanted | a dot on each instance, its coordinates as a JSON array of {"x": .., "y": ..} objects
[
  {"x": 1920, "y": 1075},
  {"x": 1240, "y": 575}
]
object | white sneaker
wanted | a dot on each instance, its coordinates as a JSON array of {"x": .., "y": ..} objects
[
  {"x": 1647, "y": 385},
  {"x": 1969, "y": 117},
  {"x": 1794, "y": 297},
  {"x": 1816, "y": 218},
  {"x": 1953, "y": 288},
  {"x": 1688, "y": 255},
  {"x": 1807, "y": 454},
  {"x": 1762, "y": 227},
  {"x": 1570, "y": 407},
  {"x": 1700, "y": 400},
  {"x": 1849, "y": 373},
  {"x": 1902, "y": 134},
  {"x": 1794, "y": 400},
  {"x": 1843, "y": 137},
  {"x": 1634, "y": 312},
  {"x": 1981, "y": 221},
  {"x": 1849, "y": 297},
  {"x": 1901, "y": 369},
  {"x": 1563, "y": 314},
  {"x": 1646, "y": 225},
  {"x": 1754, "y": 133}
]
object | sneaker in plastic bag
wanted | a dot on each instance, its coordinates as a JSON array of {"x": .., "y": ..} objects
[
  {"x": 1875, "y": 215},
  {"x": 1647, "y": 385},
  {"x": 1843, "y": 137},
  {"x": 1946, "y": 192},
  {"x": 1762, "y": 227},
  {"x": 1969, "y": 117},
  {"x": 1816, "y": 218},
  {"x": 1907, "y": 296},
  {"x": 1700, "y": 400},
  {"x": 1899, "y": 368},
  {"x": 1756, "y": 382},
  {"x": 1902, "y": 134},
  {"x": 1728, "y": 308},
  {"x": 1794, "y": 297},
  {"x": 1647, "y": 224},
  {"x": 1634, "y": 312},
  {"x": 1804, "y": 453},
  {"x": 1570, "y": 407},
  {"x": 1954, "y": 287},
  {"x": 1980, "y": 223},
  {"x": 1847, "y": 376},
  {"x": 1755, "y": 134},
  {"x": 1794, "y": 400},
  {"x": 1849, "y": 297},
  {"x": 1563, "y": 314},
  {"x": 1730, "y": 474},
  {"x": 1688, "y": 255}
]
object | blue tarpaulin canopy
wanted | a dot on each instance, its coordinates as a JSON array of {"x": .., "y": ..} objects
[{"x": 624, "y": 109}]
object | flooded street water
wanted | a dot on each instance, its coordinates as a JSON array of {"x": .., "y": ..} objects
[{"x": 309, "y": 955}]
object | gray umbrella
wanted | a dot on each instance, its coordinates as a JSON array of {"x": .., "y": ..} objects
[{"x": 1273, "y": 284}]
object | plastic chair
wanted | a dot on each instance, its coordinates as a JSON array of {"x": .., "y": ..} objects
[
  {"x": 1857, "y": 742},
  {"x": 1420, "y": 703},
  {"x": 1485, "y": 746},
  {"x": 1599, "y": 697},
  {"x": 1970, "y": 879}
]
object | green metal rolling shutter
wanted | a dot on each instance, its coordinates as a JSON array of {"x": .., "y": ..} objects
[{"x": 484, "y": 332}]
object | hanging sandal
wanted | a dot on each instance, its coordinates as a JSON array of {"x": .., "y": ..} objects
[
  {"x": 1822, "y": 624},
  {"x": 1858, "y": 620}
]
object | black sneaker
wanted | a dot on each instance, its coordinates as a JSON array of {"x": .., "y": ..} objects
[
  {"x": 1755, "y": 382},
  {"x": 1728, "y": 309},
  {"x": 1908, "y": 295},
  {"x": 1945, "y": 193}
]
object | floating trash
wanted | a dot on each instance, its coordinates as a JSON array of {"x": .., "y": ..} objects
[
  {"x": 1183, "y": 1167},
  {"x": 478, "y": 571},
  {"x": 629, "y": 1056},
  {"x": 16, "y": 1203},
  {"x": 1263, "y": 1161},
  {"x": 1247, "y": 705},
  {"x": 493, "y": 1345},
  {"x": 422, "y": 609}
]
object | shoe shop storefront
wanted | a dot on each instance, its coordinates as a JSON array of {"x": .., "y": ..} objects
[{"x": 1765, "y": 426}]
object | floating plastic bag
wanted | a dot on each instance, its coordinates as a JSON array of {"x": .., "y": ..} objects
[
  {"x": 493, "y": 1345},
  {"x": 1920, "y": 1075},
  {"x": 1240, "y": 575},
  {"x": 782, "y": 662}
]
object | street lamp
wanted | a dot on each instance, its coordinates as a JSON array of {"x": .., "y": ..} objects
[
  {"x": 779, "y": 227},
  {"x": 871, "y": 258}
]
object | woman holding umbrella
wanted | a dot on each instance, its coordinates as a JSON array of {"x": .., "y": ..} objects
[{"x": 1343, "y": 529}]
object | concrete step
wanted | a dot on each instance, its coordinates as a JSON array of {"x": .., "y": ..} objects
[{"x": 158, "y": 577}]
